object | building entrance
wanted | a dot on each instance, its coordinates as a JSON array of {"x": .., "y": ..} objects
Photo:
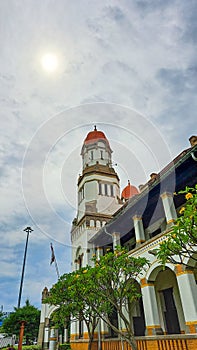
[{"x": 170, "y": 312}]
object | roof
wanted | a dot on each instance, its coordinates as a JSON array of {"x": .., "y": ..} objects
[
  {"x": 129, "y": 191},
  {"x": 94, "y": 136},
  {"x": 180, "y": 172}
]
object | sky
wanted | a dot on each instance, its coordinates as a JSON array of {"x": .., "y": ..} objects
[{"x": 127, "y": 66}]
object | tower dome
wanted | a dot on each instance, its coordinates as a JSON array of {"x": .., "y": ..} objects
[
  {"x": 94, "y": 136},
  {"x": 129, "y": 191},
  {"x": 96, "y": 149}
]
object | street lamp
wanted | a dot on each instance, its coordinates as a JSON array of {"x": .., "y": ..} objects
[{"x": 28, "y": 230}]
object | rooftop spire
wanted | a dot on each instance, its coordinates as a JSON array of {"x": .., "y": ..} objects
[{"x": 95, "y": 129}]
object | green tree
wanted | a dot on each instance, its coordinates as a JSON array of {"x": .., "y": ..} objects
[
  {"x": 96, "y": 292},
  {"x": 27, "y": 313},
  {"x": 114, "y": 282},
  {"x": 180, "y": 246},
  {"x": 68, "y": 293}
]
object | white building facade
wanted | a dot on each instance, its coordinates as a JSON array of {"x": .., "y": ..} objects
[{"x": 166, "y": 315}]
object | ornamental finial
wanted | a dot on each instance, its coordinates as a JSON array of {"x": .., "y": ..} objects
[{"x": 95, "y": 129}]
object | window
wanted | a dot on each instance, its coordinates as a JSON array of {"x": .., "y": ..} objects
[
  {"x": 105, "y": 189},
  {"x": 91, "y": 155},
  {"x": 100, "y": 188},
  {"x": 101, "y": 154},
  {"x": 112, "y": 190},
  {"x": 81, "y": 194}
]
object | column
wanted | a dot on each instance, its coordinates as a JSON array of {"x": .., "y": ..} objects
[
  {"x": 46, "y": 334},
  {"x": 102, "y": 327},
  {"x": 66, "y": 326},
  {"x": 66, "y": 334},
  {"x": 73, "y": 330},
  {"x": 151, "y": 312},
  {"x": 85, "y": 331},
  {"x": 53, "y": 340},
  {"x": 188, "y": 293},
  {"x": 139, "y": 230},
  {"x": 44, "y": 312},
  {"x": 116, "y": 239},
  {"x": 99, "y": 252},
  {"x": 169, "y": 208}
]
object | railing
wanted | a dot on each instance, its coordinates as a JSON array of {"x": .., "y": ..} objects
[
  {"x": 4, "y": 342},
  {"x": 167, "y": 342}
]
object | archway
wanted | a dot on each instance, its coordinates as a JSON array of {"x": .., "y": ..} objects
[{"x": 169, "y": 302}]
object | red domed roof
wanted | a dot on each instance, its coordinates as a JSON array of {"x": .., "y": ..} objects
[
  {"x": 95, "y": 135},
  {"x": 129, "y": 191}
]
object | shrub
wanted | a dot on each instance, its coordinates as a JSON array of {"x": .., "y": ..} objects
[{"x": 65, "y": 346}]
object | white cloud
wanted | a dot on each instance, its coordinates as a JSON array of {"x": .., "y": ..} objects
[{"x": 135, "y": 54}]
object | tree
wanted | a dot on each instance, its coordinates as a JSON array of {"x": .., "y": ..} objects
[
  {"x": 115, "y": 283},
  {"x": 68, "y": 293},
  {"x": 180, "y": 246},
  {"x": 96, "y": 292},
  {"x": 27, "y": 313},
  {"x": 59, "y": 321}
]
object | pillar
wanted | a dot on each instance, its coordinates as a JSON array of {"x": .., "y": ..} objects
[
  {"x": 66, "y": 335},
  {"x": 43, "y": 320},
  {"x": 99, "y": 252},
  {"x": 53, "y": 340},
  {"x": 85, "y": 331},
  {"x": 139, "y": 229},
  {"x": 73, "y": 330},
  {"x": 46, "y": 334},
  {"x": 169, "y": 208},
  {"x": 151, "y": 312},
  {"x": 188, "y": 293},
  {"x": 116, "y": 239},
  {"x": 102, "y": 327}
]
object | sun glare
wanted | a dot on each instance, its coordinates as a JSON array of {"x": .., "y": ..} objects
[{"x": 49, "y": 62}]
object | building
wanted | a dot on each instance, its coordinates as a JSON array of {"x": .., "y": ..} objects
[{"x": 166, "y": 315}]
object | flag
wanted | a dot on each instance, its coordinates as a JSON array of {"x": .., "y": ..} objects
[{"x": 52, "y": 255}]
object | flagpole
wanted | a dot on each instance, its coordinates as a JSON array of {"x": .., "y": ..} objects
[
  {"x": 53, "y": 259},
  {"x": 58, "y": 275}
]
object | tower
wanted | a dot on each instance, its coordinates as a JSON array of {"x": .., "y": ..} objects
[{"x": 98, "y": 195}]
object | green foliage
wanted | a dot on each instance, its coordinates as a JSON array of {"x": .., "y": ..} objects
[
  {"x": 31, "y": 347},
  {"x": 65, "y": 346},
  {"x": 114, "y": 282},
  {"x": 68, "y": 293},
  {"x": 95, "y": 292},
  {"x": 58, "y": 319},
  {"x": 25, "y": 347},
  {"x": 181, "y": 243},
  {"x": 27, "y": 313}
]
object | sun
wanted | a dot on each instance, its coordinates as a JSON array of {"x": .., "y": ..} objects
[{"x": 49, "y": 62}]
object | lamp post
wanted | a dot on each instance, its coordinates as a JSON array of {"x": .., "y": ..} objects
[{"x": 28, "y": 230}]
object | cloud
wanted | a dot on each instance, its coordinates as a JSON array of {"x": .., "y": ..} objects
[{"x": 133, "y": 66}]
